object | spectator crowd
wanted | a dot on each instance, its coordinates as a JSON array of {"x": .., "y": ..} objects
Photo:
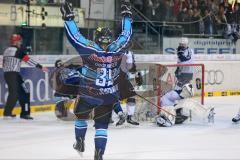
[{"x": 196, "y": 16}]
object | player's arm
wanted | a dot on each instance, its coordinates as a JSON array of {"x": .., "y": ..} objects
[
  {"x": 129, "y": 60},
  {"x": 125, "y": 36},
  {"x": 184, "y": 55},
  {"x": 23, "y": 54},
  {"x": 74, "y": 36}
]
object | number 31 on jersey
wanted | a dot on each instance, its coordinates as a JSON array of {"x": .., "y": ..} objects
[{"x": 104, "y": 77}]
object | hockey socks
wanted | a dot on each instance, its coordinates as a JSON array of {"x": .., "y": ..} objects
[
  {"x": 80, "y": 132},
  {"x": 130, "y": 111},
  {"x": 117, "y": 108},
  {"x": 100, "y": 137},
  {"x": 80, "y": 129},
  {"x": 122, "y": 118}
]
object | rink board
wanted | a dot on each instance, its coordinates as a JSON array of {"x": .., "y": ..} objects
[
  {"x": 220, "y": 80},
  {"x": 37, "y": 82}
]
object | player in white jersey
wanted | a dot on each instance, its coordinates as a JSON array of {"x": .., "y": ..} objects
[{"x": 184, "y": 74}]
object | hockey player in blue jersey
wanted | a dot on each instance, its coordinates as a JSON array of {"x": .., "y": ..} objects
[{"x": 103, "y": 56}]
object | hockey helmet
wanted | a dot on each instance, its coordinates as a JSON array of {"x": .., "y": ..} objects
[
  {"x": 103, "y": 36},
  {"x": 184, "y": 41},
  {"x": 58, "y": 63},
  {"x": 15, "y": 38}
]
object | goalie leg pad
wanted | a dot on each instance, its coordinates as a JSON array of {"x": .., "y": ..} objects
[
  {"x": 165, "y": 119},
  {"x": 198, "y": 109},
  {"x": 162, "y": 121}
]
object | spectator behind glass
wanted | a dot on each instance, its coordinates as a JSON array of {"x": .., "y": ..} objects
[
  {"x": 187, "y": 28},
  {"x": 138, "y": 4},
  {"x": 167, "y": 11},
  {"x": 196, "y": 26},
  {"x": 156, "y": 11},
  {"x": 182, "y": 16},
  {"x": 221, "y": 20},
  {"x": 237, "y": 13},
  {"x": 176, "y": 7},
  {"x": 208, "y": 23}
]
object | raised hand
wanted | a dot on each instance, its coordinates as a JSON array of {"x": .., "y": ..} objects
[
  {"x": 67, "y": 11},
  {"x": 126, "y": 8}
]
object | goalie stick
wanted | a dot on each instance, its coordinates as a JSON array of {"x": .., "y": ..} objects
[{"x": 156, "y": 105}]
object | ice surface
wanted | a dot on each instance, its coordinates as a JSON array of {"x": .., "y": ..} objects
[{"x": 48, "y": 138}]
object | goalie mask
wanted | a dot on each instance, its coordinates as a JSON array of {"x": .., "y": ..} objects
[
  {"x": 187, "y": 91},
  {"x": 103, "y": 36}
]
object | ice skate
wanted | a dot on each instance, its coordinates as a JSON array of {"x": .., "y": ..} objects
[
  {"x": 122, "y": 118},
  {"x": 180, "y": 118},
  {"x": 79, "y": 146},
  {"x": 11, "y": 116},
  {"x": 211, "y": 116},
  {"x": 26, "y": 117},
  {"x": 236, "y": 118},
  {"x": 98, "y": 154},
  {"x": 131, "y": 121}
]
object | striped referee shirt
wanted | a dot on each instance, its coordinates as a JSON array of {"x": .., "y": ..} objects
[{"x": 12, "y": 58}]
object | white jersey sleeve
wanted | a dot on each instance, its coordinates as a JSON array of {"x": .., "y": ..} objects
[
  {"x": 186, "y": 57},
  {"x": 127, "y": 61}
]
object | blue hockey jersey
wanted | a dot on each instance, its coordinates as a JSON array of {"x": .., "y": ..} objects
[{"x": 105, "y": 63}]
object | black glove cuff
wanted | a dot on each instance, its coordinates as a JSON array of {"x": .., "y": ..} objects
[
  {"x": 126, "y": 10},
  {"x": 68, "y": 17},
  {"x": 39, "y": 66}
]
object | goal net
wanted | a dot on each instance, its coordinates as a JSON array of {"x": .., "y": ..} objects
[{"x": 160, "y": 79}]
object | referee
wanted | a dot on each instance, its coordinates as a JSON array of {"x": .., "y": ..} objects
[{"x": 12, "y": 58}]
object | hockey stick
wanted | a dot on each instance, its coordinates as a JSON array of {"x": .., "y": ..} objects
[{"x": 156, "y": 105}]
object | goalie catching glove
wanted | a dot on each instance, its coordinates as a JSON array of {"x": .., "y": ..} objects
[{"x": 67, "y": 11}]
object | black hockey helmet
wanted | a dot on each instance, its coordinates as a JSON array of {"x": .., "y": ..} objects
[
  {"x": 103, "y": 36},
  {"x": 58, "y": 63}
]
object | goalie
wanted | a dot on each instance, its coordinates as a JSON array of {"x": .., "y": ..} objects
[{"x": 173, "y": 103}]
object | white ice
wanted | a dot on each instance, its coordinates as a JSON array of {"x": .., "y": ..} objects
[{"x": 48, "y": 138}]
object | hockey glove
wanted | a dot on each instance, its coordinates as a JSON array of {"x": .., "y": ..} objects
[
  {"x": 126, "y": 8},
  {"x": 67, "y": 11}
]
